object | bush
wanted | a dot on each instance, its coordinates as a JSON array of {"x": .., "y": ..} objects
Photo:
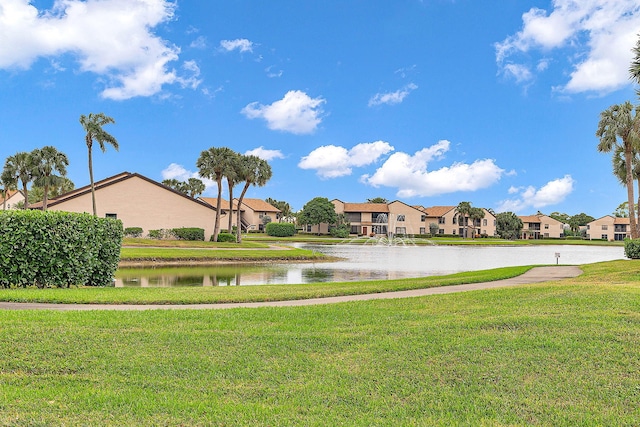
[
  {"x": 280, "y": 229},
  {"x": 58, "y": 249},
  {"x": 226, "y": 237},
  {"x": 133, "y": 232},
  {"x": 632, "y": 248},
  {"x": 161, "y": 234},
  {"x": 340, "y": 232},
  {"x": 188, "y": 233}
]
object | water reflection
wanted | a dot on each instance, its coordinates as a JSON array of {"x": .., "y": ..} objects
[{"x": 367, "y": 263}]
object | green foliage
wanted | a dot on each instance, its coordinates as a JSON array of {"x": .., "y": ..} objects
[
  {"x": 378, "y": 200},
  {"x": 341, "y": 231},
  {"x": 57, "y": 249},
  {"x": 133, "y": 231},
  {"x": 434, "y": 228},
  {"x": 632, "y": 248},
  {"x": 281, "y": 229},
  {"x": 161, "y": 234},
  {"x": 188, "y": 233},
  {"x": 317, "y": 211},
  {"x": 508, "y": 225},
  {"x": 226, "y": 237}
]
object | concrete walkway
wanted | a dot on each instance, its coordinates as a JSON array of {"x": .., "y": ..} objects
[{"x": 535, "y": 275}]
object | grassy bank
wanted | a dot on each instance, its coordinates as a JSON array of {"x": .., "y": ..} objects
[
  {"x": 196, "y": 295},
  {"x": 560, "y": 354}
]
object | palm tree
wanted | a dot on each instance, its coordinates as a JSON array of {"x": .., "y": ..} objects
[
  {"x": 212, "y": 164},
  {"x": 8, "y": 182},
  {"x": 195, "y": 187},
  {"x": 476, "y": 214},
  {"x": 634, "y": 68},
  {"x": 20, "y": 168},
  {"x": 92, "y": 125},
  {"x": 621, "y": 121},
  {"x": 463, "y": 210},
  {"x": 46, "y": 161},
  {"x": 253, "y": 171},
  {"x": 620, "y": 172},
  {"x": 232, "y": 174}
]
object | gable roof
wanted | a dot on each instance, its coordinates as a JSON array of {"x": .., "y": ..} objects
[
  {"x": 10, "y": 194},
  {"x": 366, "y": 207},
  {"x": 112, "y": 180},
  {"x": 529, "y": 218},
  {"x": 438, "y": 211},
  {"x": 259, "y": 205},
  {"x": 224, "y": 204}
]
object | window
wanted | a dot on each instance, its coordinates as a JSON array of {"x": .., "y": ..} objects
[
  {"x": 354, "y": 217},
  {"x": 605, "y": 227},
  {"x": 423, "y": 230},
  {"x": 484, "y": 222},
  {"x": 604, "y": 237},
  {"x": 423, "y": 218},
  {"x": 546, "y": 226},
  {"x": 401, "y": 218},
  {"x": 401, "y": 230},
  {"x": 455, "y": 220},
  {"x": 441, "y": 220},
  {"x": 441, "y": 231},
  {"x": 111, "y": 215}
]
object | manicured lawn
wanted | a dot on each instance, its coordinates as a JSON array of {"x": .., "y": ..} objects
[{"x": 554, "y": 354}]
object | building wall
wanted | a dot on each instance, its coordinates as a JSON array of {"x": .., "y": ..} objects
[
  {"x": 609, "y": 228},
  {"x": 140, "y": 203},
  {"x": 412, "y": 223},
  {"x": 13, "y": 200}
]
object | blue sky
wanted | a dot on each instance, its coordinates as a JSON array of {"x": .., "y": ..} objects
[{"x": 432, "y": 102}]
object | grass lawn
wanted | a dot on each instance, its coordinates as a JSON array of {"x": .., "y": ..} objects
[{"x": 555, "y": 354}]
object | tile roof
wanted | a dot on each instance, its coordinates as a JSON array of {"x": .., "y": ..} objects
[
  {"x": 366, "y": 207},
  {"x": 438, "y": 211},
  {"x": 259, "y": 205}
]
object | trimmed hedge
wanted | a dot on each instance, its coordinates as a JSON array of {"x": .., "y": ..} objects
[
  {"x": 280, "y": 229},
  {"x": 133, "y": 231},
  {"x": 191, "y": 233},
  {"x": 226, "y": 237},
  {"x": 58, "y": 249},
  {"x": 632, "y": 248}
]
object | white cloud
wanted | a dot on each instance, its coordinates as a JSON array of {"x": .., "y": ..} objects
[
  {"x": 265, "y": 154},
  {"x": 549, "y": 194},
  {"x": 199, "y": 43},
  {"x": 410, "y": 174},
  {"x": 598, "y": 34},
  {"x": 392, "y": 97},
  {"x": 331, "y": 161},
  {"x": 176, "y": 171},
  {"x": 296, "y": 113},
  {"x": 111, "y": 38},
  {"x": 243, "y": 45}
]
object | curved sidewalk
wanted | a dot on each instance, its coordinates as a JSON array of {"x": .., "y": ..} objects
[{"x": 535, "y": 275}]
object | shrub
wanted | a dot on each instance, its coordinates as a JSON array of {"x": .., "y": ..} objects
[
  {"x": 341, "y": 232},
  {"x": 188, "y": 233},
  {"x": 226, "y": 237},
  {"x": 280, "y": 229},
  {"x": 632, "y": 248},
  {"x": 47, "y": 249},
  {"x": 133, "y": 231},
  {"x": 161, "y": 234}
]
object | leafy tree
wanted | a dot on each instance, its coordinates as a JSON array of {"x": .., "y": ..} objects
[
  {"x": 213, "y": 164},
  {"x": 253, "y": 171},
  {"x": 622, "y": 211},
  {"x": 92, "y": 125},
  {"x": 46, "y": 161},
  {"x": 60, "y": 186},
  {"x": 562, "y": 217},
  {"x": 192, "y": 188},
  {"x": 318, "y": 211},
  {"x": 378, "y": 200},
  {"x": 621, "y": 121},
  {"x": 434, "y": 228},
  {"x": 19, "y": 168},
  {"x": 508, "y": 225}
]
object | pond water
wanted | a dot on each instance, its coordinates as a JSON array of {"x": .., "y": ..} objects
[{"x": 368, "y": 262}]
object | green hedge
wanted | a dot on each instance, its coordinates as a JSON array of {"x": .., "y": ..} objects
[
  {"x": 191, "y": 233},
  {"x": 226, "y": 237},
  {"x": 280, "y": 229},
  {"x": 632, "y": 248},
  {"x": 57, "y": 249},
  {"x": 133, "y": 231}
]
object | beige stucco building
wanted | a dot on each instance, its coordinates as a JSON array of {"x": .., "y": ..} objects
[
  {"x": 252, "y": 212},
  {"x": 449, "y": 222},
  {"x": 138, "y": 202},
  {"x": 541, "y": 226},
  {"x": 396, "y": 218},
  {"x": 12, "y": 199},
  {"x": 609, "y": 228}
]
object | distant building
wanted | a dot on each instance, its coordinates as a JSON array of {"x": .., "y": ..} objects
[
  {"x": 449, "y": 222},
  {"x": 609, "y": 228},
  {"x": 541, "y": 226},
  {"x": 13, "y": 198}
]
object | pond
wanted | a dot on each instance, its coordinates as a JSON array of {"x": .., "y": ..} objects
[{"x": 369, "y": 262}]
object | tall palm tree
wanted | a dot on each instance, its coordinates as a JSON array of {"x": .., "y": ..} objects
[
  {"x": 46, "y": 161},
  {"x": 195, "y": 187},
  {"x": 475, "y": 215},
  {"x": 92, "y": 125},
  {"x": 232, "y": 174},
  {"x": 463, "y": 210},
  {"x": 253, "y": 171},
  {"x": 20, "y": 167},
  {"x": 634, "y": 68},
  {"x": 620, "y": 172},
  {"x": 621, "y": 121},
  {"x": 212, "y": 164}
]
